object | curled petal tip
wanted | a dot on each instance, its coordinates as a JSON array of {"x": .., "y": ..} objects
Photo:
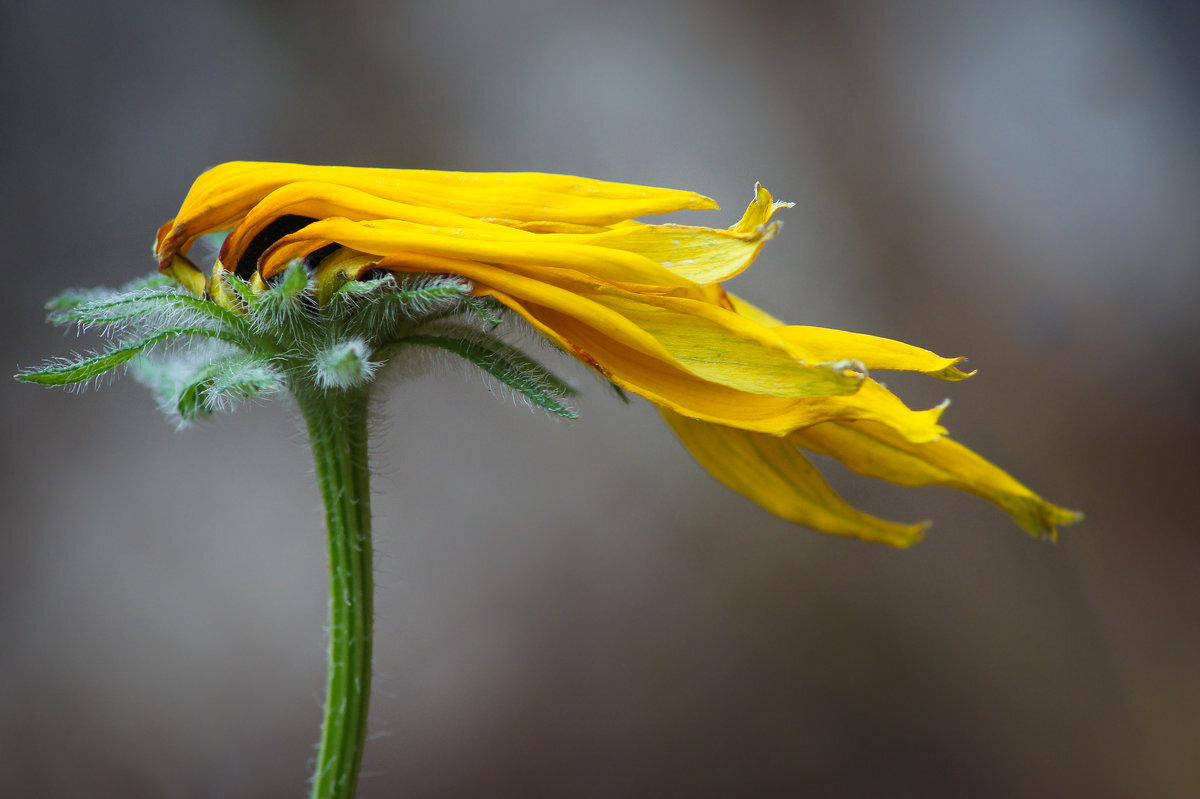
[
  {"x": 1044, "y": 519},
  {"x": 759, "y": 211},
  {"x": 913, "y": 534},
  {"x": 160, "y": 240},
  {"x": 952, "y": 372}
]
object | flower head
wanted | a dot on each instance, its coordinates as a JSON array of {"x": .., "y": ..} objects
[{"x": 640, "y": 304}]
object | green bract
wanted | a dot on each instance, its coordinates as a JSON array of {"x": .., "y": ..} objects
[{"x": 200, "y": 357}]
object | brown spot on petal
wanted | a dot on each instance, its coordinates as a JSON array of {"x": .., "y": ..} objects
[{"x": 589, "y": 360}]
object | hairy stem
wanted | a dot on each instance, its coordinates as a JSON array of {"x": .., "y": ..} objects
[{"x": 337, "y": 427}]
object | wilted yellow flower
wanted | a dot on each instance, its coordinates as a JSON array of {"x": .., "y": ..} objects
[{"x": 641, "y": 304}]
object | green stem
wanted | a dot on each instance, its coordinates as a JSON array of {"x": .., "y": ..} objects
[{"x": 337, "y": 428}]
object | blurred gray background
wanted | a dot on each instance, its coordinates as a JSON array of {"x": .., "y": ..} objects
[{"x": 576, "y": 609}]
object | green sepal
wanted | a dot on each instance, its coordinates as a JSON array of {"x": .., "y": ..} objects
[
  {"x": 340, "y": 296},
  {"x": 222, "y": 384},
  {"x": 484, "y": 309},
  {"x": 507, "y": 364},
  {"x": 242, "y": 289},
  {"x": 379, "y": 311},
  {"x": 65, "y": 373},
  {"x": 125, "y": 306},
  {"x": 190, "y": 402},
  {"x": 282, "y": 308},
  {"x": 72, "y": 298}
]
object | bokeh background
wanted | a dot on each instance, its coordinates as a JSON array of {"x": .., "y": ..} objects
[{"x": 576, "y": 609}]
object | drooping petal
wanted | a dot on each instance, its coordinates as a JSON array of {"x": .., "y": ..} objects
[
  {"x": 224, "y": 194},
  {"x": 679, "y": 390},
  {"x": 773, "y": 473},
  {"x": 707, "y": 349},
  {"x": 618, "y": 326},
  {"x": 874, "y": 450},
  {"x": 720, "y": 345},
  {"x": 611, "y": 343}
]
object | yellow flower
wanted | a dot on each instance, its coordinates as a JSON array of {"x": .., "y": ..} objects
[{"x": 639, "y": 303}]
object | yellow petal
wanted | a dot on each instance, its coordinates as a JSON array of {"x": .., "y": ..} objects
[
  {"x": 726, "y": 348},
  {"x": 703, "y": 255},
  {"x": 771, "y": 471},
  {"x": 873, "y": 402},
  {"x": 719, "y": 404},
  {"x": 187, "y": 275},
  {"x": 220, "y": 292},
  {"x": 874, "y": 450},
  {"x": 542, "y": 226},
  {"x": 225, "y": 193},
  {"x": 387, "y": 237},
  {"x": 321, "y": 200},
  {"x": 874, "y": 352}
]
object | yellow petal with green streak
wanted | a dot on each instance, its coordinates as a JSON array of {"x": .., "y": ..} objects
[
  {"x": 625, "y": 354},
  {"x": 224, "y": 194},
  {"x": 771, "y": 471},
  {"x": 811, "y": 345},
  {"x": 678, "y": 390},
  {"x": 642, "y": 332},
  {"x": 874, "y": 352},
  {"x": 876, "y": 451},
  {"x": 725, "y": 348}
]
